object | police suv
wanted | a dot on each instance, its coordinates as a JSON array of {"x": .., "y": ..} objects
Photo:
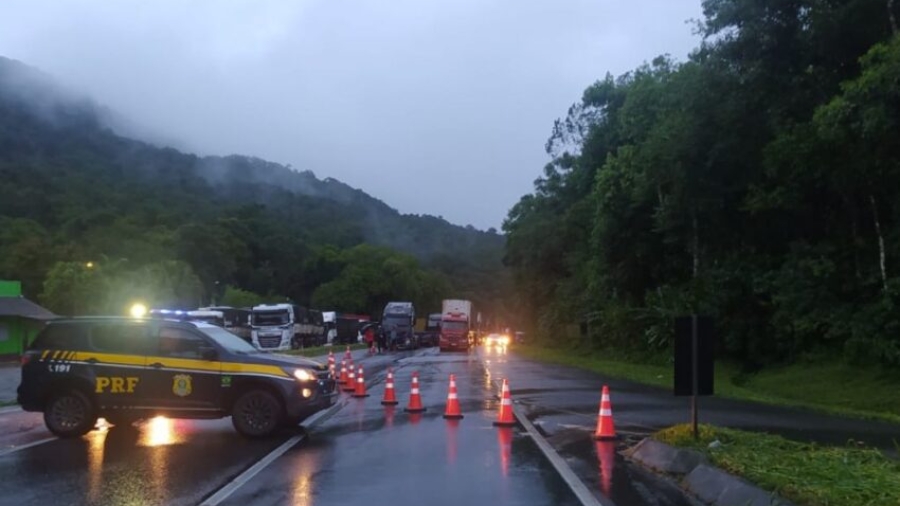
[{"x": 125, "y": 369}]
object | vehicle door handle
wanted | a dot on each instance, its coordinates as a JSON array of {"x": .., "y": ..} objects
[
  {"x": 92, "y": 360},
  {"x": 156, "y": 365}
]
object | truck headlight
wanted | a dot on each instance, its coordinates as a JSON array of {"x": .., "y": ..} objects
[{"x": 304, "y": 374}]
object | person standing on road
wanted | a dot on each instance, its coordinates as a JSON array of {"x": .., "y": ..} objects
[
  {"x": 381, "y": 340},
  {"x": 370, "y": 339}
]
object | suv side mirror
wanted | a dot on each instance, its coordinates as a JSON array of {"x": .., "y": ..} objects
[{"x": 209, "y": 353}]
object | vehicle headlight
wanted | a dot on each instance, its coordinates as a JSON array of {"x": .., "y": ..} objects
[
  {"x": 304, "y": 374},
  {"x": 504, "y": 340}
]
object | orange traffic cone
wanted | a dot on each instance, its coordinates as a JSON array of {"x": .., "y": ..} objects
[
  {"x": 347, "y": 354},
  {"x": 415, "y": 400},
  {"x": 390, "y": 399},
  {"x": 505, "y": 417},
  {"x": 452, "y": 411},
  {"x": 342, "y": 379},
  {"x": 351, "y": 380},
  {"x": 360, "y": 385},
  {"x": 605, "y": 427}
]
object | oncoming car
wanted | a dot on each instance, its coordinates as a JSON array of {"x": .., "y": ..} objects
[
  {"x": 496, "y": 340},
  {"x": 124, "y": 369}
]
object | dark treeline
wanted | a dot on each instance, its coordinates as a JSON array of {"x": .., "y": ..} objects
[
  {"x": 758, "y": 182},
  {"x": 91, "y": 220}
]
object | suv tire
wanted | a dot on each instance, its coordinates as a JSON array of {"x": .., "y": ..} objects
[
  {"x": 69, "y": 414},
  {"x": 257, "y": 413}
]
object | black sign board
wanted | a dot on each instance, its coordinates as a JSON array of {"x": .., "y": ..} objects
[{"x": 694, "y": 341}]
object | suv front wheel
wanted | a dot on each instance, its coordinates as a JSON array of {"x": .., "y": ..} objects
[
  {"x": 69, "y": 414},
  {"x": 257, "y": 413}
]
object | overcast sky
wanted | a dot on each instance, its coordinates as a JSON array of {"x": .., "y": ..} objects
[{"x": 435, "y": 107}]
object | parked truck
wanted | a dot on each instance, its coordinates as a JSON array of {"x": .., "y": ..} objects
[
  {"x": 430, "y": 333},
  {"x": 456, "y": 316},
  {"x": 398, "y": 323},
  {"x": 278, "y": 327}
]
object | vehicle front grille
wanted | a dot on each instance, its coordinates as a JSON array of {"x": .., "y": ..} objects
[{"x": 269, "y": 341}]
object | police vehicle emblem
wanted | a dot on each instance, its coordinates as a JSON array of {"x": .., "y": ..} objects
[{"x": 181, "y": 385}]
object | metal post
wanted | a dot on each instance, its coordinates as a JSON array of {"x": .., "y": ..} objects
[{"x": 694, "y": 380}]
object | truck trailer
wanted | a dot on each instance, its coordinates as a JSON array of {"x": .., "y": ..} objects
[{"x": 456, "y": 317}]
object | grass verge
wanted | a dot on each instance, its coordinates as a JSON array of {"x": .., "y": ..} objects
[
  {"x": 323, "y": 350},
  {"x": 827, "y": 387},
  {"x": 806, "y": 474}
]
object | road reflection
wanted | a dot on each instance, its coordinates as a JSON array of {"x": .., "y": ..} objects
[
  {"x": 389, "y": 416},
  {"x": 452, "y": 445},
  {"x": 504, "y": 438},
  {"x": 96, "y": 445},
  {"x": 159, "y": 431},
  {"x": 606, "y": 456},
  {"x": 302, "y": 489}
]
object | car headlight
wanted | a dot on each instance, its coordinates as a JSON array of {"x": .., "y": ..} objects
[
  {"x": 504, "y": 340},
  {"x": 304, "y": 374}
]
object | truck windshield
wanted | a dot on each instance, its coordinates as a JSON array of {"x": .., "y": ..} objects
[
  {"x": 395, "y": 321},
  {"x": 446, "y": 325},
  {"x": 266, "y": 318},
  {"x": 228, "y": 340}
]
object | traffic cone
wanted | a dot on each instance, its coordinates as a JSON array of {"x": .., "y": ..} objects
[
  {"x": 360, "y": 385},
  {"x": 415, "y": 399},
  {"x": 351, "y": 380},
  {"x": 505, "y": 417},
  {"x": 452, "y": 411},
  {"x": 605, "y": 427},
  {"x": 331, "y": 364},
  {"x": 390, "y": 399},
  {"x": 347, "y": 354},
  {"x": 342, "y": 379}
]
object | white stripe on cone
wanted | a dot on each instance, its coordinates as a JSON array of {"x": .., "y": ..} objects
[{"x": 606, "y": 412}]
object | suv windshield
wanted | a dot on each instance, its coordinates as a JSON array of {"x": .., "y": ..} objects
[
  {"x": 261, "y": 318},
  {"x": 228, "y": 340}
]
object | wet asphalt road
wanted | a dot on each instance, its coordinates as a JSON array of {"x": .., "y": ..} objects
[
  {"x": 371, "y": 454},
  {"x": 367, "y": 454},
  {"x": 561, "y": 398}
]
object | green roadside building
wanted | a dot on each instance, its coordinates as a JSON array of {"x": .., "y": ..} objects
[{"x": 20, "y": 320}]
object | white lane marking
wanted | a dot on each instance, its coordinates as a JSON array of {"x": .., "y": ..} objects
[
  {"x": 565, "y": 472},
  {"x": 226, "y": 491},
  {"x": 585, "y": 496},
  {"x": 240, "y": 480},
  {"x": 25, "y": 446}
]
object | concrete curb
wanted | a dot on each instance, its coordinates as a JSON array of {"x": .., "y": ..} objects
[{"x": 709, "y": 484}]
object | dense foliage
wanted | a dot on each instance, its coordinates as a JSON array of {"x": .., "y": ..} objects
[
  {"x": 91, "y": 221},
  {"x": 758, "y": 182}
]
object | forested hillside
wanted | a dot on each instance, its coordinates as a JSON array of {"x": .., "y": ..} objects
[
  {"x": 90, "y": 220},
  {"x": 757, "y": 182}
]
